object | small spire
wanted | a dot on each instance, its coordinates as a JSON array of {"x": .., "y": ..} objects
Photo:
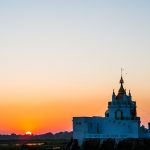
[
  {"x": 113, "y": 92},
  {"x": 113, "y": 95},
  {"x": 129, "y": 93}
]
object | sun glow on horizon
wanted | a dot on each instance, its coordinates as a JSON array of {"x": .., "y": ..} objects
[{"x": 28, "y": 133}]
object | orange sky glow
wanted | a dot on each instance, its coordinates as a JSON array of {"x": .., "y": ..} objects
[{"x": 51, "y": 112}]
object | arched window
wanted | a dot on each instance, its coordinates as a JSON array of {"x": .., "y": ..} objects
[{"x": 118, "y": 114}]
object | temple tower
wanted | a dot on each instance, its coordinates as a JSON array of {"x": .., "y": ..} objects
[{"x": 122, "y": 107}]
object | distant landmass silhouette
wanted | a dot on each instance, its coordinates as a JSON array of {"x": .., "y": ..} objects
[{"x": 49, "y": 135}]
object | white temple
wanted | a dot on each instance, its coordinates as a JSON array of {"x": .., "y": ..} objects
[{"x": 120, "y": 121}]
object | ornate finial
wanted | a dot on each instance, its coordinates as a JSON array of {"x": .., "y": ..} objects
[
  {"x": 121, "y": 80},
  {"x": 121, "y": 90},
  {"x": 121, "y": 71}
]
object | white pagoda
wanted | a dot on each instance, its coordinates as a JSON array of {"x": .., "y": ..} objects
[{"x": 120, "y": 121}]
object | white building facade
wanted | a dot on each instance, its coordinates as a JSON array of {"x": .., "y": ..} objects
[{"x": 120, "y": 121}]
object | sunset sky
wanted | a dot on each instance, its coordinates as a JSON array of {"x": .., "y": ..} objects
[{"x": 62, "y": 58}]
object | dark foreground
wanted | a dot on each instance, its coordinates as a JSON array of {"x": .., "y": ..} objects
[
  {"x": 57, "y": 144},
  {"x": 66, "y": 144}
]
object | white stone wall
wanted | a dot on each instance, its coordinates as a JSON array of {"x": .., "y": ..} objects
[{"x": 99, "y": 127}]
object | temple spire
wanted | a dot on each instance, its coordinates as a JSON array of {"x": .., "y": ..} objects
[
  {"x": 121, "y": 80},
  {"x": 121, "y": 91}
]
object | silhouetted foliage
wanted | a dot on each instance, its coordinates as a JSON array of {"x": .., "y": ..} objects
[
  {"x": 74, "y": 145},
  {"x": 108, "y": 144},
  {"x": 92, "y": 144},
  {"x": 111, "y": 144}
]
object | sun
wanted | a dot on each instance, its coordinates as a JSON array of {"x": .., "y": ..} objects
[{"x": 28, "y": 133}]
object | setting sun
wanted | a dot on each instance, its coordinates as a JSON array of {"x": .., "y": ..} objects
[{"x": 28, "y": 133}]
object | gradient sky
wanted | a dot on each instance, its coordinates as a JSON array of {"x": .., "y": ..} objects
[{"x": 62, "y": 58}]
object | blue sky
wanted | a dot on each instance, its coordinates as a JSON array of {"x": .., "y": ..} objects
[{"x": 86, "y": 38}]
